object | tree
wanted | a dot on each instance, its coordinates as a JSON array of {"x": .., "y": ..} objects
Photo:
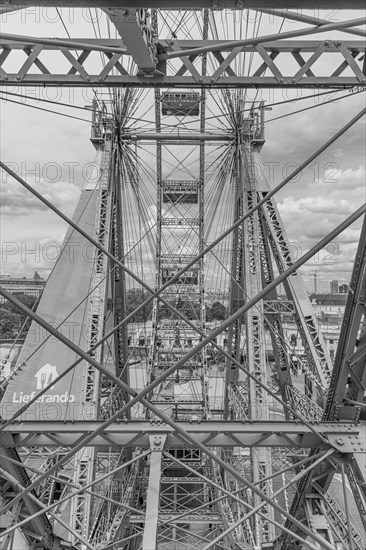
[
  {"x": 9, "y": 323},
  {"x": 134, "y": 299},
  {"x": 218, "y": 311},
  {"x": 28, "y": 301}
]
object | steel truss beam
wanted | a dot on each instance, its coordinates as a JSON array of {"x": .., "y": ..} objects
[
  {"x": 342, "y": 66},
  {"x": 137, "y": 433}
]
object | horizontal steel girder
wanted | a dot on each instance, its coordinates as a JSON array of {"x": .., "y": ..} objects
[
  {"x": 177, "y": 136},
  {"x": 314, "y": 5},
  {"x": 345, "y": 437},
  {"x": 276, "y": 64}
]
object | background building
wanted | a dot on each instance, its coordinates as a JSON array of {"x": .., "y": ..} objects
[
  {"x": 328, "y": 306},
  {"x": 23, "y": 285},
  {"x": 334, "y": 287}
]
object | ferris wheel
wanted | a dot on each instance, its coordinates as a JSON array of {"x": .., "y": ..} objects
[{"x": 175, "y": 399}]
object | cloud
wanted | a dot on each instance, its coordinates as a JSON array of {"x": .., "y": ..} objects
[
  {"x": 337, "y": 180},
  {"x": 321, "y": 207},
  {"x": 323, "y": 203},
  {"x": 21, "y": 258},
  {"x": 296, "y": 137},
  {"x": 18, "y": 201}
]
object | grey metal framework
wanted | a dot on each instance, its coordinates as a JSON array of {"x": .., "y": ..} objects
[
  {"x": 176, "y": 442},
  {"x": 222, "y": 433},
  {"x": 273, "y": 67}
]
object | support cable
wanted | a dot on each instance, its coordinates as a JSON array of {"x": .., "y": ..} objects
[
  {"x": 139, "y": 119},
  {"x": 313, "y": 106},
  {"x": 208, "y": 248},
  {"x": 43, "y": 109}
]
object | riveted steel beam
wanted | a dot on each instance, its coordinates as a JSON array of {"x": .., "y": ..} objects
[
  {"x": 267, "y": 70},
  {"x": 343, "y": 436}
]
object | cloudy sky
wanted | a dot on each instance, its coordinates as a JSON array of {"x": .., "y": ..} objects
[{"x": 54, "y": 154}]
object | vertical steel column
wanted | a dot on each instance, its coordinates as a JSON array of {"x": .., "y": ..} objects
[
  {"x": 201, "y": 214},
  {"x": 149, "y": 541},
  {"x": 159, "y": 176}
]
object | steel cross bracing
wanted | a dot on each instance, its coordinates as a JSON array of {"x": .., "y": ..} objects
[
  {"x": 275, "y": 64},
  {"x": 180, "y": 486},
  {"x": 153, "y": 57}
]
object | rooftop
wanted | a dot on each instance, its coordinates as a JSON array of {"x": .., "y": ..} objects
[{"x": 329, "y": 299}]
